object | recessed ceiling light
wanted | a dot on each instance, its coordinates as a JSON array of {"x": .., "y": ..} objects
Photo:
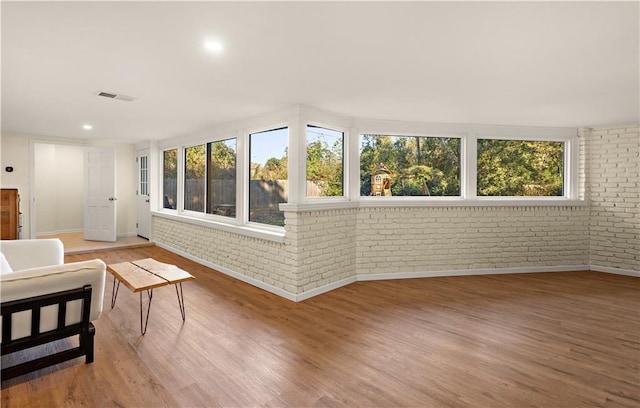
[
  {"x": 87, "y": 127},
  {"x": 213, "y": 46}
]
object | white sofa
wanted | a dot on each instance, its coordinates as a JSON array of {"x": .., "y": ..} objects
[{"x": 35, "y": 281}]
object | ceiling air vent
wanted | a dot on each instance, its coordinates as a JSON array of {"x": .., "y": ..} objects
[{"x": 119, "y": 97}]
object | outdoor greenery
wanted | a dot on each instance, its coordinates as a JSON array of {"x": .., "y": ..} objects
[
  {"x": 324, "y": 162},
  {"x": 268, "y": 185},
  {"x": 222, "y": 159},
  {"x": 420, "y": 165},
  {"x": 170, "y": 178},
  {"x": 194, "y": 170},
  {"x": 520, "y": 168}
]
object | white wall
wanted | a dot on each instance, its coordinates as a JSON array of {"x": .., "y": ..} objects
[
  {"x": 613, "y": 185},
  {"x": 58, "y": 188},
  {"x": 45, "y": 192},
  {"x": 16, "y": 151}
]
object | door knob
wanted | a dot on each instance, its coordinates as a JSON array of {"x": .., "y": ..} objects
[{"x": 112, "y": 199}]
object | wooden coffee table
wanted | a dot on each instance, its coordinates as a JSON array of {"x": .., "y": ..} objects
[{"x": 146, "y": 275}]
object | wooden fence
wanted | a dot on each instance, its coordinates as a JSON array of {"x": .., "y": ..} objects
[{"x": 262, "y": 193}]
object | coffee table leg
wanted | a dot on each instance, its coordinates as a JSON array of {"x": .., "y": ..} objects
[
  {"x": 114, "y": 291},
  {"x": 143, "y": 330},
  {"x": 183, "y": 311}
]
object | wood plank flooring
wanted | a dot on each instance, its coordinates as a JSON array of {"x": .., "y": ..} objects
[{"x": 529, "y": 340}]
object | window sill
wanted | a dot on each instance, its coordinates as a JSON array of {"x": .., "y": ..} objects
[
  {"x": 269, "y": 234},
  {"x": 403, "y": 202}
]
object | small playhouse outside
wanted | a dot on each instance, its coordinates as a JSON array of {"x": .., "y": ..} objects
[{"x": 381, "y": 181}]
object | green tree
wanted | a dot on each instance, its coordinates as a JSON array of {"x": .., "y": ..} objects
[
  {"x": 324, "y": 166},
  {"x": 170, "y": 165},
  {"x": 404, "y": 156},
  {"x": 195, "y": 158},
  {"x": 222, "y": 160},
  {"x": 520, "y": 168}
]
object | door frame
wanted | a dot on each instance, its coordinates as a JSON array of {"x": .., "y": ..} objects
[
  {"x": 143, "y": 205},
  {"x": 31, "y": 194}
]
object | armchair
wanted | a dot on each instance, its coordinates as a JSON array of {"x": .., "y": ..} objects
[{"x": 44, "y": 299}]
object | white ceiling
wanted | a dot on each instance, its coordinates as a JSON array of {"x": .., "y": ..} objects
[{"x": 568, "y": 64}]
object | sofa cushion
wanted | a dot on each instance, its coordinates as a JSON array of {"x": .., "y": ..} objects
[
  {"x": 49, "y": 279},
  {"x": 31, "y": 253},
  {"x": 4, "y": 265}
]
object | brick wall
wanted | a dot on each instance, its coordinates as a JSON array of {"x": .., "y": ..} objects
[
  {"x": 328, "y": 246},
  {"x": 263, "y": 260},
  {"x": 392, "y": 240},
  {"x": 613, "y": 185},
  {"x": 325, "y": 246}
]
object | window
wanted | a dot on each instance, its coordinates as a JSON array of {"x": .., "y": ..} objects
[
  {"x": 268, "y": 172},
  {"x": 194, "y": 178},
  {"x": 520, "y": 168},
  {"x": 324, "y": 162},
  {"x": 170, "y": 178},
  {"x": 221, "y": 178},
  {"x": 143, "y": 175},
  {"x": 409, "y": 166}
]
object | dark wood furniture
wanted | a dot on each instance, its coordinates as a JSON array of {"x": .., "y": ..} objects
[
  {"x": 84, "y": 329},
  {"x": 10, "y": 213}
]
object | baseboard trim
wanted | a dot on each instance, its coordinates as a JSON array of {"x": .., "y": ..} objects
[
  {"x": 616, "y": 271},
  {"x": 469, "y": 272},
  {"x": 325, "y": 288},
  {"x": 63, "y": 231},
  {"x": 299, "y": 297},
  {"x": 246, "y": 279}
]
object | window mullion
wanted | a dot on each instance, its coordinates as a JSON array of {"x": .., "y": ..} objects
[{"x": 469, "y": 162}]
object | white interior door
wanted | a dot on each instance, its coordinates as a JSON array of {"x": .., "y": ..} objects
[
  {"x": 143, "y": 223},
  {"x": 100, "y": 194}
]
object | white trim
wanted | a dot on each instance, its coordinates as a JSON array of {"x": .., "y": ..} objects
[
  {"x": 470, "y": 272},
  {"x": 390, "y": 276},
  {"x": 325, "y": 288},
  {"x": 345, "y": 151},
  {"x": 268, "y": 235},
  {"x": 318, "y": 206},
  {"x": 616, "y": 271},
  {"x": 375, "y": 126},
  {"x": 63, "y": 231},
  {"x": 376, "y": 202}
]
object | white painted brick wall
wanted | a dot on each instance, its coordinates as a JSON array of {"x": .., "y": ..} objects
[
  {"x": 326, "y": 246},
  {"x": 613, "y": 183},
  {"x": 260, "y": 259},
  {"x": 459, "y": 238}
]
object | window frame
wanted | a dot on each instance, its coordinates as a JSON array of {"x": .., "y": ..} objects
[
  {"x": 296, "y": 120},
  {"x": 207, "y": 159},
  {"x": 345, "y": 165},
  {"x": 246, "y": 179},
  {"x": 569, "y": 172},
  {"x": 178, "y": 201},
  {"x": 425, "y": 200},
  {"x": 184, "y": 175}
]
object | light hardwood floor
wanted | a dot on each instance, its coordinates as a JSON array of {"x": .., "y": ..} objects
[
  {"x": 74, "y": 243},
  {"x": 529, "y": 340}
]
